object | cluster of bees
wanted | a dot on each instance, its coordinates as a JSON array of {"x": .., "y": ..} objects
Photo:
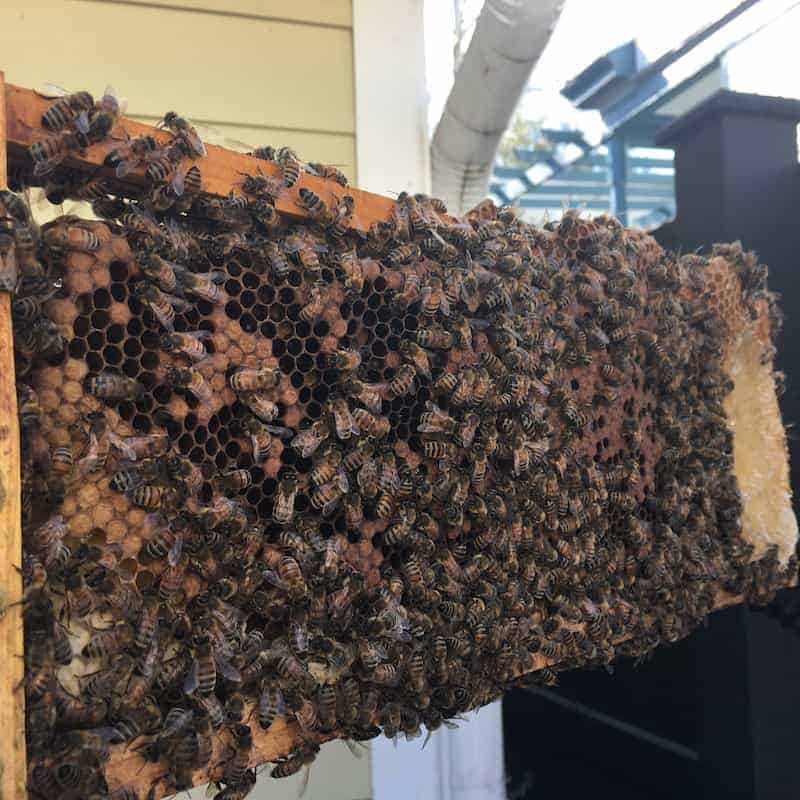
[{"x": 528, "y": 470}]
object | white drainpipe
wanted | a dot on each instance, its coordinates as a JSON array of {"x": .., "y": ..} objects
[{"x": 509, "y": 38}]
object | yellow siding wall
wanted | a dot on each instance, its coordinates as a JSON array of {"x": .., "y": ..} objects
[{"x": 254, "y": 71}]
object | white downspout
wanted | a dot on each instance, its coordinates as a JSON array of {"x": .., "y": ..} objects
[{"x": 509, "y": 38}]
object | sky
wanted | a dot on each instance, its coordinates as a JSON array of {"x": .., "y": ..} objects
[{"x": 768, "y": 62}]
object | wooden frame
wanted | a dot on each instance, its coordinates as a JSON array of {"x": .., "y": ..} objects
[
  {"x": 20, "y": 115},
  {"x": 12, "y": 709}
]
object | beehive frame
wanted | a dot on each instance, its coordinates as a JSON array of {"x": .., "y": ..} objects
[{"x": 222, "y": 171}]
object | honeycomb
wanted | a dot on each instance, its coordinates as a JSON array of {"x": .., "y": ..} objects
[{"x": 490, "y": 448}]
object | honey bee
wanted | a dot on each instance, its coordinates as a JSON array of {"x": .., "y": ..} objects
[
  {"x": 48, "y": 153},
  {"x": 249, "y": 379},
  {"x": 234, "y": 481},
  {"x": 185, "y": 473},
  {"x": 353, "y": 271},
  {"x": 163, "y": 306},
  {"x": 270, "y": 705},
  {"x": 344, "y": 421},
  {"x": 283, "y": 510},
  {"x": 130, "y": 155},
  {"x": 326, "y": 497},
  {"x": 290, "y": 165},
  {"x": 69, "y": 109},
  {"x": 262, "y": 186},
  {"x": 303, "y": 757},
  {"x": 316, "y": 305},
  {"x": 353, "y": 510},
  {"x": 365, "y": 393},
  {"x": 189, "y": 344},
  {"x": 189, "y": 379},
  {"x": 404, "y": 254},
  {"x": 104, "y": 115},
  {"x": 260, "y": 439},
  {"x": 403, "y": 381},
  {"x": 151, "y": 498},
  {"x": 307, "y": 441},
  {"x": 345, "y": 360},
  {"x": 328, "y": 172},
  {"x": 111, "y": 386},
  {"x": 370, "y": 424},
  {"x": 70, "y": 233},
  {"x": 204, "y": 287},
  {"x": 416, "y": 356},
  {"x": 183, "y": 129},
  {"x": 317, "y": 209}
]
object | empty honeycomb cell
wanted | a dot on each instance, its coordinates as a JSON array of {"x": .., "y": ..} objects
[
  {"x": 294, "y": 347},
  {"x": 233, "y": 309},
  {"x": 118, "y": 271},
  {"x": 248, "y": 323},
  {"x": 286, "y": 296},
  {"x": 410, "y": 323},
  {"x": 101, "y": 299},
  {"x": 277, "y": 312},
  {"x": 185, "y": 444},
  {"x": 297, "y": 379},
  {"x": 77, "y": 348},
  {"x": 119, "y": 292},
  {"x": 286, "y": 364},
  {"x": 96, "y": 340},
  {"x": 221, "y": 460},
  {"x": 305, "y": 363},
  {"x": 149, "y": 360},
  {"x": 81, "y": 327},
  {"x": 266, "y": 294},
  {"x": 197, "y": 455},
  {"x": 112, "y": 355},
  {"x": 294, "y": 278},
  {"x": 142, "y": 424},
  {"x": 162, "y": 394},
  {"x": 95, "y": 362}
]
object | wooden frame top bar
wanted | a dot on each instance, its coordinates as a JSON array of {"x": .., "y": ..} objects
[{"x": 222, "y": 169}]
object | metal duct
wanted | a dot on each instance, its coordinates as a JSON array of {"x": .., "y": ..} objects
[{"x": 509, "y": 37}]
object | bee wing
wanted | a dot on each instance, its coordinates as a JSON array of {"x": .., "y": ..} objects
[
  {"x": 177, "y": 183},
  {"x": 304, "y": 782},
  {"x": 46, "y": 166},
  {"x": 270, "y": 576},
  {"x": 82, "y": 122},
  {"x": 175, "y": 552},
  {"x": 197, "y": 144},
  {"x": 306, "y": 443},
  {"x": 330, "y": 507},
  {"x": 357, "y": 749},
  {"x": 191, "y": 680},
  {"x": 226, "y": 669},
  {"x": 125, "y": 167},
  {"x": 165, "y": 322},
  {"x": 282, "y": 433},
  {"x": 199, "y": 335},
  {"x": 180, "y": 304}
]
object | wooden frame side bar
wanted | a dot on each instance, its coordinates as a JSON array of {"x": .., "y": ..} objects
[{"x": 12, "y": 666}]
